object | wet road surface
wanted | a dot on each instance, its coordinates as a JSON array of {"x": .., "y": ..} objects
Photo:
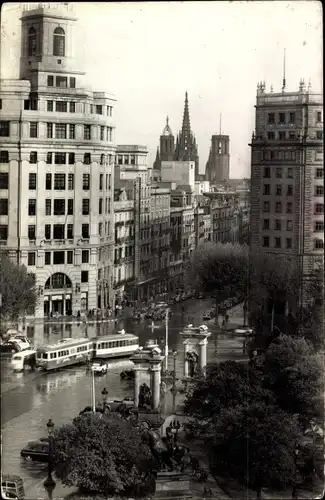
[{"x": 28, "y": 400}]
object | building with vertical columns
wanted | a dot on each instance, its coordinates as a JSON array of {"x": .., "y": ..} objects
[
  {"x": 287, "y": 177},
  {"x": 217, "y": 167},
  {"x": 57, "y": 170}
]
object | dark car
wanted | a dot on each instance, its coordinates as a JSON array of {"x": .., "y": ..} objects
[
  {"x": 38, "y": 451},
  {"x": 7, "y": 349}
]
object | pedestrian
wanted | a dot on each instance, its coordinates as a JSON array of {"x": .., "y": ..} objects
[{"x": 227, "y": 319}]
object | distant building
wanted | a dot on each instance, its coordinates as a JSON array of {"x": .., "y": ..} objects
[
  {"x": 218, "y": 164},
  {"x": 287, "y": 177},
  {"x": 184, "y": 150},
  {"x": 178, "y": 172}
]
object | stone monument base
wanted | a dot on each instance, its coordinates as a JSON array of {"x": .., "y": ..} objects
[
  {"x": 152, "y": 416},
  {"x": 171, "y": 484}
]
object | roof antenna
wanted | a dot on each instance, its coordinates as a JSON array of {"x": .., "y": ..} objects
[{"x": 284, "y": 71}]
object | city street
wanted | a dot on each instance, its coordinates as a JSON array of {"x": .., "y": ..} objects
[{"x": 29, "y": 400}]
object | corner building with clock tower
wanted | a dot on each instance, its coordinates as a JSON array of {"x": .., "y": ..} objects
[{"x": 57, "y": 156}]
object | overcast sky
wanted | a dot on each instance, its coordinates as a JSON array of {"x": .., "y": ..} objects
[{"x": 148, "y": 54}]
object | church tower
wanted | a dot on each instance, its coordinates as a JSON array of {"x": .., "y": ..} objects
[
  {"x": 186, "y": 148},
  {"x": 167, "y": 143}
]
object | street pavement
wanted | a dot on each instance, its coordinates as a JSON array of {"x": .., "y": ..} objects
[{"x": 28, "y": 400}]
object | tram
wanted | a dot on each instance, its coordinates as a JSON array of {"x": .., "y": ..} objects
[
  {"x": 65, "y": 353},
  {"x": 115, "y": 346}
]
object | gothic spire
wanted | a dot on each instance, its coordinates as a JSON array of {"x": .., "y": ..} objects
[{"x": 186, "y": 127}]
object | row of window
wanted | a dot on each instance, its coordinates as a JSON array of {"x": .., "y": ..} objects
[
  {"x": 128, "y": 159},
  {"x": 278, "y": 225},
  {"x": 67, "y": 131},
  {"x": 58, "y": 257},
  {"x": 290, "y": 118},
  {"x": 60, "y": 232},
  {"x": 279, "y": 190},
  {"x": 62, "y": 131},
  {"x": 59, "y": 158},
  {"x": 116, "y": 343},
  {"x": 318, "y": 244},
  {"x": 291, "y": 135},
  {"x": 33, "y": 42},
  {"x": 61, "y": 82},
  {"x": 278, "y": 155},
  {"x": 70, "y": 106},
  {"x": 279, "y": 172},
  {"x": 319, "y": 207}
]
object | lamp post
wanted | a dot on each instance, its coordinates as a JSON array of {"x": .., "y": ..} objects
[
  {"x": 104, "y": 396},
  {"x": 174, "y": 390},
  {"x": 49, "y": 482}
]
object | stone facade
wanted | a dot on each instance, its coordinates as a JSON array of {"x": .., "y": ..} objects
[
  {"x": 56, "y": 169},
  {"x": 218, "y": 164},
  {"x": 287, "y": 192}
]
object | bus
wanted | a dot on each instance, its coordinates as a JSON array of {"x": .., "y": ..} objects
[
  {"x": 115, "y": 346},
  {"x": 65, "y": 353}
]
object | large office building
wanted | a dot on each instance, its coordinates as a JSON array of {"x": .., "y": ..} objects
[
  {"x": 57, "y": 170},
  {"x": 287, "y": 177}
]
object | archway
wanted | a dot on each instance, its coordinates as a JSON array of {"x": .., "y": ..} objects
[{"x": 58, "y": 295}]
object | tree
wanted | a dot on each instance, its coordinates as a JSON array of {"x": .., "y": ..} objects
[
  {"x": 228, "y": 384},
  {"x": 294, "y": 372},
  {"x": 17, "y": 289},
  {"x": 219, "y": 268},
  {"x": 255, "y": 445},
  {"x": 103, "y": 455}
]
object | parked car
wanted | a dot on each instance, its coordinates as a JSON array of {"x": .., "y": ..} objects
[
  {"x": 244, "y": 331},
  {"x": 99, "y": 368},
  {"x": 12, "y": 487},
  {"x": 7, "y": 349},
  {"x": 37, "y": 451}
]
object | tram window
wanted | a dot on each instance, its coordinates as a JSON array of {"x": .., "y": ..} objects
[{"x": 45, "y": 355}]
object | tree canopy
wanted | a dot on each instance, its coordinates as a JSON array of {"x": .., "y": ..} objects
[
  {"x": 293, "y": 372},
  {"x": 255, "y": 444},
  {"x": 218, "y": 267},
  {"x": 226, "y": 385},
  {"x": 103, "y": 454},
  {"x": 17, "y": 289}
]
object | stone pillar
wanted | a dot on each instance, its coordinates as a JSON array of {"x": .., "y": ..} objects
[
  {"x": 203, "y": 353},
  {"x": 155, "y": 374},
  {"x": 136, "y": 387},
  {"x": 186, "y": 348}
]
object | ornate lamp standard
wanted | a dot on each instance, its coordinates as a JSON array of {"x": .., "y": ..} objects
[
  {"x": 104, "y": 396},
  {"x": 49, "y": 482}
]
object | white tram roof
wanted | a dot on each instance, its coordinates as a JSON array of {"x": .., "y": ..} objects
[
  {"x": 68, "y": 342},
  {"x": 115, "y": 336}
]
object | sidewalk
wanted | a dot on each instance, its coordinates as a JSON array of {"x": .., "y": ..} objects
[{"x": 197, "y": 449}]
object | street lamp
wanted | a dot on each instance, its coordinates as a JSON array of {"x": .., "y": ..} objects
[
  {"x": 49, "y": 482},
  {"x": 104, "y": 396},
  {"x": 174, "y": 390}
]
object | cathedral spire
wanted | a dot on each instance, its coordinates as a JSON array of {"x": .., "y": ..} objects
[{"x": 186, "y": 127}]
